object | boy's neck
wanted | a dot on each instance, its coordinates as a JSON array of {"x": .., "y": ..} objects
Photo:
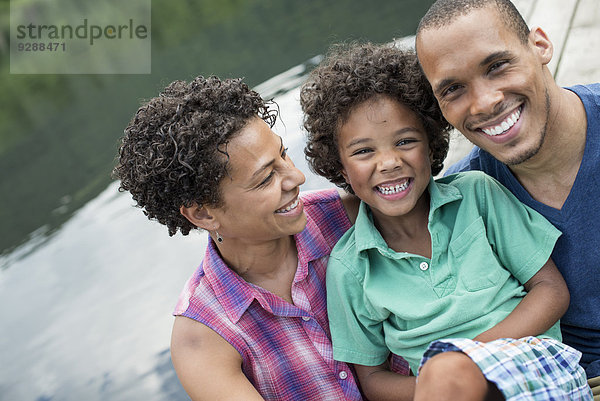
[{"x": 409, "y": 232}]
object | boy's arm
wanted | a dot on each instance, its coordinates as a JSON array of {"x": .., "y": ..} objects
[
  {"x": 208, "y": 367},
  {"x": 380, "y": 384},
  {"x": 546, "y": 301}
]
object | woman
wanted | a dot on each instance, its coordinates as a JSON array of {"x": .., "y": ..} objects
[{"x": 251, "y": 322}]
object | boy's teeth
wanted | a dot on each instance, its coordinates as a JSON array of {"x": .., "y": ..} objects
[
  {"x": 504, "y": 125},
  {"x": 394, "y": 189},
  {"x": 290, "y": 207}
]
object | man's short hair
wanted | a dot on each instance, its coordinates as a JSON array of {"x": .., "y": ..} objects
[{"x": 444, "y": 12}]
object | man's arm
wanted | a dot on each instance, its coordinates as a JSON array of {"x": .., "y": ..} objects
[
  {"x": 380, "y": 384},
  {"x": 546, "y": 301},
  {"x": 208, "y": 367}
]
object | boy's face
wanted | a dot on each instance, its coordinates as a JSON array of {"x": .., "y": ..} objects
[
  {"x": 489, "y": 84},
  {"x": 385, "y": 155}
]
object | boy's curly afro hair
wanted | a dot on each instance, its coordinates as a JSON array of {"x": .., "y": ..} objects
[
  {"x": 352, "y": 74},
  {"x": 174, "y": 151}
]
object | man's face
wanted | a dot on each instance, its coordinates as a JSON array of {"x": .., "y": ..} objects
[{"x": 491, "y": 86}]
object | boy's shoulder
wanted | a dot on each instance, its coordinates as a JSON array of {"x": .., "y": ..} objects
[
  {"x": 471, "y": 177},
  {"x": 346, "y": 246},
  {"x": 468, "y": 182}
]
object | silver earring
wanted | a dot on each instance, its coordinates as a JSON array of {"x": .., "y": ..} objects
[{"x": 219, "y": 238}]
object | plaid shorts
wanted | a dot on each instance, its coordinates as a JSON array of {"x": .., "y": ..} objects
[{"x": 523, "y": 369}]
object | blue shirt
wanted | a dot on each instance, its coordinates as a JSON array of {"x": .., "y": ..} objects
[{"x": 577, "y": 251}]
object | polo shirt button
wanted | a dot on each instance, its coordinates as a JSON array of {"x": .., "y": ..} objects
[
  {"x": 305, "y": 318},
  {"x": 423, "y": 266},
  {"x": 343, "y": 375}
]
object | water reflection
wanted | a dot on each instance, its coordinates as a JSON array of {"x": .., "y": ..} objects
[
  {"x": 86, "y": 310},
  {"x": 86, "y": 314}
]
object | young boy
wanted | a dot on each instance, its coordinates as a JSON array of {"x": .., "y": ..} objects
[{"x": 458, "y": 259}]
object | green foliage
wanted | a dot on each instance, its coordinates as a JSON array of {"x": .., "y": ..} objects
[{"x": 59, "y": 133}]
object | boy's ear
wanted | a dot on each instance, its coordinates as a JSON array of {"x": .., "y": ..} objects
[
  {"x": 199, "y": 216},
  {"x": 543, "y": 46},
  {"x": 343, "y": 172}
]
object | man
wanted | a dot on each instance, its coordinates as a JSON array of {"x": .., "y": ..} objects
[{"x": 490, "y": 76}]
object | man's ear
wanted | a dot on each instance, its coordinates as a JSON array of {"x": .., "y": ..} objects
[
  {"x": 543, "y": 46},
  {"x": 200, "y": 216}
]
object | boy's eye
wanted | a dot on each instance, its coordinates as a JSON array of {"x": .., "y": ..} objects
[
  {"x": 361, "y": 151},
  {"x": 405, "y": 142}
]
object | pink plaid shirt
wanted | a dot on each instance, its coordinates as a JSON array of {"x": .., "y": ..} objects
[{"x": 286, "y": 349}]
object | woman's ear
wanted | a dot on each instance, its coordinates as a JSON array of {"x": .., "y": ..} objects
[{"x": 200, "y": 216}]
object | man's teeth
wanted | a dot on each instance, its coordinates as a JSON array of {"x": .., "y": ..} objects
[
  {"x": 394, "y": 189},
  {"x": 290, "y": 207},
  {"x": 505, "y": 125}
]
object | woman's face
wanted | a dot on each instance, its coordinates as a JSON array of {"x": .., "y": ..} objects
[{"x": 260, "y": 195}]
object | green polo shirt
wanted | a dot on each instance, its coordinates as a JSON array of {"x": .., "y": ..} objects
[{"x": 484, "y": 245}]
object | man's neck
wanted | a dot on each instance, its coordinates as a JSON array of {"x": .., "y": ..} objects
[{"x": 550, "y": 174}]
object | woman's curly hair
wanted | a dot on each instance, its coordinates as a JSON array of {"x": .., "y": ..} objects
[
  {"x": 352, "y": 74},
  {"x": 174, "y": 151}
]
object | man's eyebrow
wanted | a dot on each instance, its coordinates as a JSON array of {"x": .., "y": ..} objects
[
  {"x": 495, "y": 56},
  {"x": 490, "y": 58},
  {"x": 267, "y": 164},
  {"x": 442, "y": 84}
]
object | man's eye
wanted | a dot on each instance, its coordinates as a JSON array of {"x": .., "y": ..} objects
[
  {"x": 497, "y": 65},
  {"x": 450, "y": 90},
  {"x": 284, "y": 153}
]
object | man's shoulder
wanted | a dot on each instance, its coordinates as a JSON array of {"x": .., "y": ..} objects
[
  {"x": 472, "y": 161},
  {"x": 478, "y": 160},
  {"x": 587, "y": 89}
]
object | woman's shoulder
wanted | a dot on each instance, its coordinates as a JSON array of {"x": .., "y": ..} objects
[{"x": 320, "y": 196}]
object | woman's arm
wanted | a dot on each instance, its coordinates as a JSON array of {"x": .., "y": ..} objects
[
  {"x": 546, "y": 301},
  {"x": 208, "y": 367},
  {"x": 380, "y": 384}
]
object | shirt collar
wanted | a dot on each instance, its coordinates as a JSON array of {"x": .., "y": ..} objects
[
  {"x": 235, "y": 294},
  {"x": 367, "y": 236}
]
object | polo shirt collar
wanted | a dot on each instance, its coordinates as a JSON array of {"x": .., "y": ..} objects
[
  {"x": 367, "y": 236},
  {"x": 441, "y": 194},
  {"x": 235, "y": 294}
]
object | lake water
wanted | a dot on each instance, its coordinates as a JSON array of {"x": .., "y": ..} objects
[{"x": 86, "y": 313}]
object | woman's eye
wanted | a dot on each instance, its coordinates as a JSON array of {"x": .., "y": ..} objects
[{"x": 266, "y": 180}]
